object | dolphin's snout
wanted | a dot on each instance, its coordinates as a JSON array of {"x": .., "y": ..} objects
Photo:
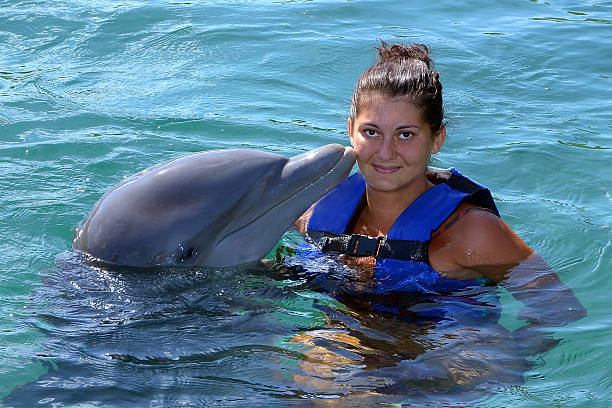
[
  {"x": 332, "y": 150},
  {"x": 349, "y": 154},
  {"x": 345, "y": 152},
  {"x": 304, "y": 169},
  {"x": 325, "y": 156}
]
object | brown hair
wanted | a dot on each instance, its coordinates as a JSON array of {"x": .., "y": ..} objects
[{"x": 403, "y": 70}]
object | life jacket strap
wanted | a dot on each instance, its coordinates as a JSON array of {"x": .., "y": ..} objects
[{"x": 378, "y": 247}]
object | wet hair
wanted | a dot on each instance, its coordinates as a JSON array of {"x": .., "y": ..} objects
[{"x": 403, "y": 71}]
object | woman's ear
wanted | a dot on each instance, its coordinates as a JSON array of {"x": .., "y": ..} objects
[
  {"x": 439, "y": 139},
  {"x": 350, "y": 126}
]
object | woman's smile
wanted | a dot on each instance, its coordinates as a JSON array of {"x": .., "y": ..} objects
[
  {"x": 393, "y": 143},
  {"x": 385, "y": 169}
]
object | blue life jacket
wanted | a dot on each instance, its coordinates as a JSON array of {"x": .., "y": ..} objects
[{"x": 402, "y": 261}]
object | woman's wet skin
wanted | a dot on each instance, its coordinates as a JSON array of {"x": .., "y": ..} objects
[
  {"x": 393, "y": 143},
  {"x": 393, "y": 146}
]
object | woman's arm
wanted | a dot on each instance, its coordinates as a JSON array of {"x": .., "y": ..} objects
[
  {"x": 483, "y": 243},
  {"x": 548, "y": 302}
]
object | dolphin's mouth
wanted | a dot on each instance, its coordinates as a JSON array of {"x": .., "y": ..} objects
[
  {"x": 346, "y": 156},
  {"x": 308, "y": 193}
]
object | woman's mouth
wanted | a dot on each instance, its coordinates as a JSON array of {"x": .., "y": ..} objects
[{"x": 385, "y": 169}]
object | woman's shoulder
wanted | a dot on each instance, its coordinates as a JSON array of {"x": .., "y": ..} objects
[
  {"x": 301, "y": 223},
  {"x": 475, "y": 239}
]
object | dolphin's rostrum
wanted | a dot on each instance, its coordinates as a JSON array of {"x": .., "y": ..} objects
[{"x": 216, "y": 208}]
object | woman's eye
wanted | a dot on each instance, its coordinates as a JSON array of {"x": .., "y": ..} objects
[
  {"x": 370, "y": 132},
  {"x": 406, "y": 135}
]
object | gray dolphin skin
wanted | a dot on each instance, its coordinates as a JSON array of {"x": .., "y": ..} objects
[{"x": 216, "y": 208}]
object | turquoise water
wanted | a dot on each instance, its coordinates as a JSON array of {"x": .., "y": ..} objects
[{"x": 92, "y": 93}]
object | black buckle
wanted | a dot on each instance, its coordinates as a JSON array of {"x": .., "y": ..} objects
[{"x": 363, "y": 245}]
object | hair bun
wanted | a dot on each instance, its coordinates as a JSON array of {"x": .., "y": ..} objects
[
  {"x": 402, "y": 52},
  {"x": 403, "y": 71}
]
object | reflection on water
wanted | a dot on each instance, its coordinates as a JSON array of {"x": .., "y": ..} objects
[{"x": 276, "y": 333}]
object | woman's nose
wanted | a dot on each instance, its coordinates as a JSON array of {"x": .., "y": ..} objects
[{"x": 387, "y": 149}]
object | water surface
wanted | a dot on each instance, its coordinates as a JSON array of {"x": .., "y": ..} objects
[{"x": 91, "y": 93}]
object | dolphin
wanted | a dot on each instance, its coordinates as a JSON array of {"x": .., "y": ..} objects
[{"x": 216, "y": 208}]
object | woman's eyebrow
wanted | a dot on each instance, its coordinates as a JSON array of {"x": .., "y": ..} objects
[
  {"x": 368, "y": 124},
  {"x": 408, "y": 125},
  {"x": 403, "y": 126}
]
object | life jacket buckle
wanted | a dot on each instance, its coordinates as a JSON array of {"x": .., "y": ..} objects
[{"x": 363, "y": 245}]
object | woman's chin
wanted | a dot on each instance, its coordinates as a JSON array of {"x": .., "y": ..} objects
[{"x": 383, "y": 185}]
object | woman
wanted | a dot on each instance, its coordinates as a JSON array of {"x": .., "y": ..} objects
[
  {"x": 415, "y": 229},
  {"x": 421, "y": 245}
]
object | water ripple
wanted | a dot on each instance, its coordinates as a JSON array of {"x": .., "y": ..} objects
[{"x": 93, "y": 92}]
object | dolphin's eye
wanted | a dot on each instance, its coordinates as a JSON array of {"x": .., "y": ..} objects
[{"x": 188, "y": 254}]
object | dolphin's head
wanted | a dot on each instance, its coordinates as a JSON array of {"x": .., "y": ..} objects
[{"x": 217, "y": 208}]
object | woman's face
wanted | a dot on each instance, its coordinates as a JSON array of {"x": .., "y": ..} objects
[{"x": 392, "y": 142}]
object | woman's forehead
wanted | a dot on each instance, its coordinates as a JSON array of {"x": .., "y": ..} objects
[{"x": 381, "y": 106}]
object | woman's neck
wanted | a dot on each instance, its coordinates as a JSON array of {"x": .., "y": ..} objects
[{"x": 383, "y": 207}]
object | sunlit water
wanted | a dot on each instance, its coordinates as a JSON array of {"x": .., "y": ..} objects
[{"x": 94, "y": 92}]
